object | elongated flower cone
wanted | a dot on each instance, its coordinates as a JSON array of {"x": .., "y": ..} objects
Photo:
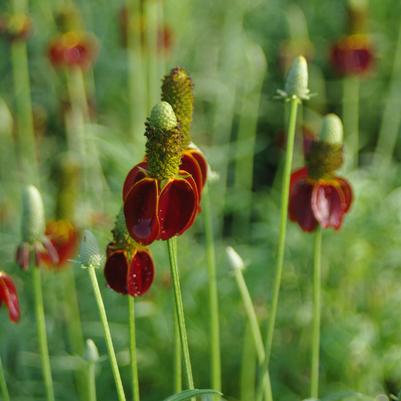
[{"x": 9, "y": 296}]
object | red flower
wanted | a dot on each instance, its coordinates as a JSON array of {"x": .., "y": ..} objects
[
  {"x": 323, "y": 201},
  {"x": 72, "y": 49},
  {"x": 64, "y": 237},
  {"x": 9, "y": 296},
  {"x": 132, "y": 275},
  {"x": 352, "y": 55},
  {"x": 194, "y": 162}
]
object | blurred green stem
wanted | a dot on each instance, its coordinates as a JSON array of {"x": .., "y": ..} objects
[
  {"x": 107, "y": 333},
  {"x": 3, "y": 384},
  {"x": 132, "y": 344},
  {"x": 91, "y": 375},
  {"x": 254, "y": 326},
  {"x": 42, "y": 336},
  {"x": 213, "y": 293},
  {"x": 316, "y": 314},
  {"x": 248, "y": 366},
  {"x": 177, "y": 356},
  {"x": 285, "y": 189},
  {"x": 350, "y": 105},
  {"x": 172, "y": 253}
]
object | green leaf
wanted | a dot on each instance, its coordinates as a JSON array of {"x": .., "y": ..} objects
[{"x": 187, "y": 394}]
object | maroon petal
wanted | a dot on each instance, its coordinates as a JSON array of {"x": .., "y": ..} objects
[
  {"x": 328, "y": 205},
  {"x": 22, "y": 256},
  {"x": 201, "y": 159},
  {"x": 8, "y": 295},
  {"x": 178, "y": 206},
  {"x": 347, "y": 192},
  {"x": 140, "y": 273},
  {"x": 135, "y": 174},
  {"x": 191, "y": 166},
  {"x": 140, "y": 210},
  {"x": 115, "y": 271},
  {"x": 299, "y": 208}
]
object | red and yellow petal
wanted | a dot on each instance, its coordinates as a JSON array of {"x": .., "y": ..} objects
[
  {"x": 191, "y": 166},
  {"x": 140, "y": 273},
  {"x": 137, "y": 173},
  {"x": 115, "y": 271},
  {"x": 328, "y": 205},
  {"x": 299, "y": 208},
  {"x": 140, "y": 210},
  {"x": 9, "y": 296},
  {"x": 201, "y": 159},
  {"x": 178, "y": 206}
]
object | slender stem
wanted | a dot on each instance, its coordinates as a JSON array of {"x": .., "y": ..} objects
[
  {"x": 3, "y": 384},
  {"x": 351, "y": 115},
  {"x": 42, "y": 336},
  {"x": 316, "y": 314},
  {"x": 107, "y": 334},
  {"x": 254, "y": 327},
  {"x": 285, "y": 188},
  {"x": 91, "y": 381},
  {"x": 248, "y": 366},
  {"x": 132, "y": 344},
  {"x": 213, "y": 294},
  {"x": 177, "y": 356},
  {"x": 172, "y": 253}
]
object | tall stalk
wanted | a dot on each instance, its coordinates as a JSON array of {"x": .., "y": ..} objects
[
  {"x": 316, "y": 314},
  {"x": 132, "y": 347},
  {"x": 172, "y": 253},
  {"x": 177, "y": 356},
  {"x": 3, "y": 384}
]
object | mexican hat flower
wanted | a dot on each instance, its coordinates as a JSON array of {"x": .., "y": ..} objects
[
  {"x": 160, "y": 200},
  {"x": 16, "y": 27},
  {"x": 129, "y": 268},
  {"x": 317, "y": 195},
  {"x": 9, "y": 296}
]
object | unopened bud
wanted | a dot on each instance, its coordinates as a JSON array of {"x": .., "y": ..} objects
[
  {"x": 235, "y": 260},
  {"x": 296, "y": 84},
  {"x": 163, "y": 117},
  {"x": 33, "y": 215},
  {"x": 332, "y": 130},
  {"x": 91, "y": 352},
  {"x": 89, "y": 254}
]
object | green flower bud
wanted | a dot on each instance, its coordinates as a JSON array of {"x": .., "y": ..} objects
[
  {"x": 177, "y": 89},
  {"x": 296, "y": 84},
  {"x": 33, "y": 215},
  {"x": 332, "y": 130},
  {"x": 89, "y": 254},
  {"x": 163, "y": 117},
  {"x": 91, "y": 352}
]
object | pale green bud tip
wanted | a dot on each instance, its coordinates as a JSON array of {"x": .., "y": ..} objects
[
  {"x": 235, "y": 260},
  {"x": 297, "y": 79},
  {"x": 332, "y": 130},
  {"x": 91, "y": 352},
  {"x": 89, "y": 254},
  {"x": 33, "y": 215},
  {"x": 163, "y": 117}
]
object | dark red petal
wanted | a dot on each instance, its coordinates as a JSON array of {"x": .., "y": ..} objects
[
  {"x": 298, "y": 175},
  {"x": 178, "y": 206},
  {"x": 56, "y": 53},
  {"x": 8, "y": 295},
  {"x": 115, "y": 271},
  {"x": 191, "y": 166},
  {"x": 299, "y": 208},
  {"x": 140, "y": 273},
  {"x": 347, "y": 191},
  {"x": 135, "y": 174},
  {"x": 140, "y": 210},
  {"x": 327, "y": 205},
  {"x": 201, "y": 159},
  {"x": 22, "y": 256}
]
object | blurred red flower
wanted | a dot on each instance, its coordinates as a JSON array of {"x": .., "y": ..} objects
[{"x": 9, "y": 296}]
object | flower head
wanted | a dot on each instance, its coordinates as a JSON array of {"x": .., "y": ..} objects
[
  {"x": 9, "y": 296},
  {"x": 17, "y": 27}
]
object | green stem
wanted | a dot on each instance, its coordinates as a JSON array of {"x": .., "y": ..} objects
[
  {"x": 351, "y": 115},
  {"x": 213, "y": 294},
  {"x": 177, "y": 356},
  {"x": 91, "y": 381},
  {"x": 254, "y": 326},
  {"x": 107, "y": 334},
  {"x": 285, "y": 189},
  {"x": 42, "y": 336},
  {"x": 3, "y": 384},
  {"x": 132, "y": 344},
  {"x": 248, "y": 366},
  {"x": 316, "y": 314},
  {"x": 172, "y": 253}
]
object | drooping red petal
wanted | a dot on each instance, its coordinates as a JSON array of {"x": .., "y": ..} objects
[
  {"x": 298, "y": 175},
  {"x": 328, "y": 205},
  {"x": 140, "y": 210},
  {"x": 140, "y": 273},
  {"x": 347, "y": 191},
  {"x": 191, "y": 166},
  {"x": 22, "y": 256},
  {"x": 134, "y": 175},
  {"x": 299, "y": 208},
  {"x": 201, "y": 159},
  {"x": 178, "y": 206},
  {"x": 115, "y": 271},
  {"x": 8, "y": 295}
]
